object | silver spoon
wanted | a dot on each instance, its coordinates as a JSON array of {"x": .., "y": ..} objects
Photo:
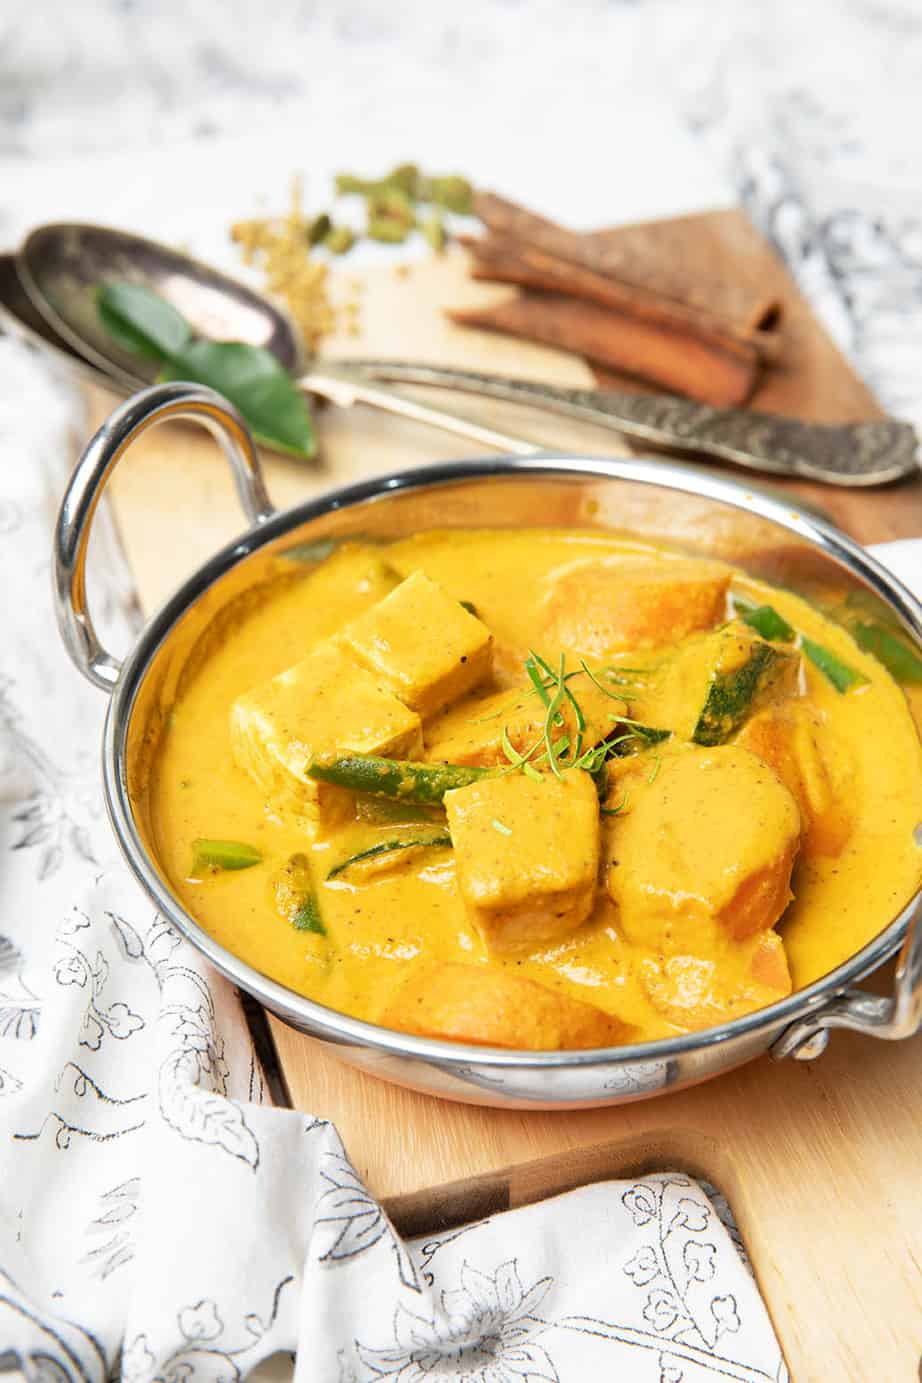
[{"x": 60, "y": 266}]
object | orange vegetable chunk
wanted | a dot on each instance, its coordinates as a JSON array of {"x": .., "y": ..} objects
[
  {"x": 601, "y": 608},
  {"x": 493, "y": 1008}
]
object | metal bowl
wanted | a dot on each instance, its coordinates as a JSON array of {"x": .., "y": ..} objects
[{"x": 700, "y": 512}]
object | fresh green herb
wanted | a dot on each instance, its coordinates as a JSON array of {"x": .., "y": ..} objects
[
  {"x": 842, "y": 677},
  {"x": 307, "y": 917},
  {"x": 560, "y": 678},
  {"x": 616, "y": 811},
  {"x": 140, "y": 321},
  {"x": 551, "y": 716},
  {"x": 251, "y": 377},
  {"x": 401, "y": 778},
  {"x": 765, "y": 620},
  {"x": 615, "y": 696},
  {"x": 657, "y": 765},
  {"x": 500, "y": 826},
  {"x": 650, "y": 733},
  {"x": 388, "y": 847},
  {"x": 537, "y": 681},
  {"x": 552, "y": 686},
  {"x": 209, "y": 855},
  {"x": 900, "y": 660}
]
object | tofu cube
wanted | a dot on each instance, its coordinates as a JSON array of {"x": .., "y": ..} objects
[
  {"x": 323, "y": 706},
  {"x": 527, "y": 855},
  {"x": 421, "y": 644}
]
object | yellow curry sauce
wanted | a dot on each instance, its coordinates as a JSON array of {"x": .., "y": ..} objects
[{"x": 829, "y": 780}]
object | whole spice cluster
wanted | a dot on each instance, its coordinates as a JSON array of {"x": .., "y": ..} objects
[{"x": 403, "y": 201}]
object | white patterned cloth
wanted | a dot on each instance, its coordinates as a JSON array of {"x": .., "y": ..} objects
[
  {"x": 157, "y": 1218},
  {"x": 155, "y": 1215}
]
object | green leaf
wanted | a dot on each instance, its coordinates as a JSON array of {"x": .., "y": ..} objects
[
  {"x": 842, "y": 677},
  {"x": 901, "y": 661},
  {"x": 254, "y": 380},
  {"x": 141, "y": 321}
]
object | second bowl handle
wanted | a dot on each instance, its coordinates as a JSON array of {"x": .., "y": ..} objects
[
  {"x": 892, "y": 1017},
  {"x": 192, "y": 402}
]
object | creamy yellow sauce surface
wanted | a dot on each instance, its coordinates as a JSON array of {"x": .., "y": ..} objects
[{"x": 382, "y": 926}]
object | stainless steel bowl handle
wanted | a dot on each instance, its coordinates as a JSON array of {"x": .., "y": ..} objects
[
  {"x": 893, "y": 1017},
  {"x": 75, "y": 517}
]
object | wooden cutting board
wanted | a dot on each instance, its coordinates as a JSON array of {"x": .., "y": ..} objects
[{"x": 819, "y": 1162}]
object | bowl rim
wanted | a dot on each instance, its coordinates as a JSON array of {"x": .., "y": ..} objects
[{"x": 331, "y": 1025}]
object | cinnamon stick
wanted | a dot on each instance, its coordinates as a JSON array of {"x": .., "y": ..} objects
[
  {"x": 636, "y": 258},
  {"x": 499, "y": 259},
  {"x": 722, "y": 373}
]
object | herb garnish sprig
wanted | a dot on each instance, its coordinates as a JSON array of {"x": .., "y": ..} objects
[{"x": 562, "y": 706}]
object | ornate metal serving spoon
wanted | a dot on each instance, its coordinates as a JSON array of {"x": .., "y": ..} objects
[{"x": 59, "y": 267}]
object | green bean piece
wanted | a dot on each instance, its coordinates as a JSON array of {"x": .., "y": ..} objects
[
  {"x": 295, "y": 899},
  {"x": 211, "y": 855},
  {"x": 765, "y": 620},
  {"x": 401, "y": 778},
  {"x": 385, "y": 811},
  {"x": 307, "y": 918},
  {"x": 386, "y": 847},
  {"x": 900, "y": 660},
  {"x": 842, "y": 677}
]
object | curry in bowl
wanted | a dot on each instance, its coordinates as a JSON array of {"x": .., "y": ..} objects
[{"x": 536, "y": 789}]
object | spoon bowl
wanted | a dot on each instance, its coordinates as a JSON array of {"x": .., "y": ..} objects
[{"x": 60, "y": 267}]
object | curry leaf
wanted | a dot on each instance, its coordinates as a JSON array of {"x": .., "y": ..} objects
[
  {"x": 141, "y": 321},
  {"x": 253, "y": 379}
]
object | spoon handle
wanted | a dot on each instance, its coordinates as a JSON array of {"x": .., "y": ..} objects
[
  {"x": 345, "y": 387},
  {"x": 847, "y": 454}
]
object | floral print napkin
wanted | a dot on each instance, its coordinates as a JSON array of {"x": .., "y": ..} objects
[{"x": 160, "y": 1220}]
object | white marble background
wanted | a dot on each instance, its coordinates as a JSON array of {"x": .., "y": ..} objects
[{"x": 808, "y": 112}]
